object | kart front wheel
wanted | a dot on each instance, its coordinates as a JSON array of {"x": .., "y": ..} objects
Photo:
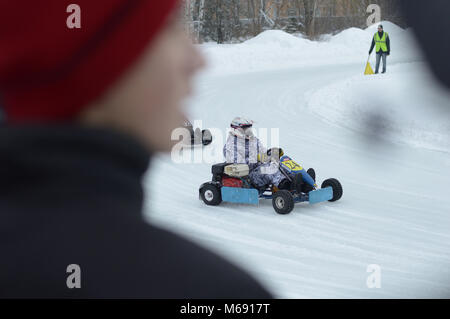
[
  {"x": 283, "y": 202},
  {"x": 336, "y": 186},
  {"x": 210, "y": 194}
]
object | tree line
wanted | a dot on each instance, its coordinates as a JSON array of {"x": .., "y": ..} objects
[{"x": 226, "y": 21}]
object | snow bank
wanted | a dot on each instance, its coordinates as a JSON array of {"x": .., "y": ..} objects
[
  {"x": 276, "y": 37},
  {"x": 275, "y": 49},
  {"x": 404, "y": 106}
]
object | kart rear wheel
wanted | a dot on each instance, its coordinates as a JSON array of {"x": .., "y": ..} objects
[
  {"x": 210, "y": 194},
  {"x": 336, "y": 186},
  {"x": 283, "y": 202}
]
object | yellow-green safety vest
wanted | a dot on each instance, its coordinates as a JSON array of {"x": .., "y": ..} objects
[{"x": 381, "y": 43}]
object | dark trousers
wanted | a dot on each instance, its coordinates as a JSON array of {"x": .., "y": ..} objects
[{"x": 379, "y": 56}]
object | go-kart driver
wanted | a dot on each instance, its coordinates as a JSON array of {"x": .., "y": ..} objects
[{"x": 243, "y": 147}]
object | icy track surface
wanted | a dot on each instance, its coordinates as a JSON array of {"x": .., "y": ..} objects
[{"x": 395, "y": 211}]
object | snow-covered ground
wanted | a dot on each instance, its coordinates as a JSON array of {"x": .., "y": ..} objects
[
  {"x": 386, "y": 138},
  {"x": 404, "y": 105},
  {"x": 275, "y": 50}
]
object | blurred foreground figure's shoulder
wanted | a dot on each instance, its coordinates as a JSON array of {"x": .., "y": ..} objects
[
  {"x": 71, "y": 194},
  {"x": 193, "y": 272},
  {"x": 71, "y": 224}
]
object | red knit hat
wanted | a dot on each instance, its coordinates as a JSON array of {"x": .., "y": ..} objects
[{"x": 49, "y": 72}]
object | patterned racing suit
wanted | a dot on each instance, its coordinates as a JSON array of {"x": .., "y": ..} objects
[{"x": 245, "y": 150}]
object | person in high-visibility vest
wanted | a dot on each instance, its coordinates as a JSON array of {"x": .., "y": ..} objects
[{"x": 383, "y": 47}]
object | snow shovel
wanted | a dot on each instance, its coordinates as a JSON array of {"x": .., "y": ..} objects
[{"x": 369, "y": 69}]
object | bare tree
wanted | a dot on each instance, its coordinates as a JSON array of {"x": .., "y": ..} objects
[
  {"x": 310, "y": 8},
  {"x": 201, "y": 14},
  {"x": 254, "y": 16}
]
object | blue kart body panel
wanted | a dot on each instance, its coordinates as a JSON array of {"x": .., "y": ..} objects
[
  {"x": 252, "y": 196},
  {"x": 240, "y": 195},
  {"x": 320, "y": 195},
  {"x": 287, "y": 164}
]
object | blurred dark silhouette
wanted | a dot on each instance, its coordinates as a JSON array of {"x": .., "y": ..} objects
[
  {"x": 431, "y": 24},
  {"x": 83, "y": 112}
]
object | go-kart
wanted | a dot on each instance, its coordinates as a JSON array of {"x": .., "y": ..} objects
[
  {"x": 198, "y": 136},
  {"x": 231, "y": 183}
]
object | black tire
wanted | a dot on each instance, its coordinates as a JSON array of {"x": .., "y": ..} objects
[
  {"x": 210, "y": 195},
  {"x": 311, "y": 172},
  {"x": 336, "y": 186},
  {"x": 283, "y": 202},
  {"x": 206, "y": 137}
]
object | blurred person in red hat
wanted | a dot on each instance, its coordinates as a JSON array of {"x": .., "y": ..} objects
[{"x": 82, "y": 108}]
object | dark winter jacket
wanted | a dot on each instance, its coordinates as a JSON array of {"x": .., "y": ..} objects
[
  {"x": 71, "y": 195},
  {"x": 388, "y": 44}
]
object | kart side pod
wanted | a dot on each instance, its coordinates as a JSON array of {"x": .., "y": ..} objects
[
  {"x": 240, "y": 195},
  {"x": 251, "y": 196}
]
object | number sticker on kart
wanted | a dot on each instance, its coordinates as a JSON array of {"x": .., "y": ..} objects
[{"x": 292, "y": 166}]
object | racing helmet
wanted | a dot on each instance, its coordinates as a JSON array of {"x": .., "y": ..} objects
[
  {"x": 242, "y": 127},
  {"x": 239, "y": 122}
]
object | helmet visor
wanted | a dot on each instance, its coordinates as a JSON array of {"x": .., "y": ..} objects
[{"x": 242, "y": 126}]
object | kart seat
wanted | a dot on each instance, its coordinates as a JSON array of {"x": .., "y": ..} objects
[
  {"x": 237, "y": 170},
  {"x": 217, "y": 169}
]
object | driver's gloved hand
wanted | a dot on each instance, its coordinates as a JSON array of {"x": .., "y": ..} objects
[{"x": 263, "y": 158}]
